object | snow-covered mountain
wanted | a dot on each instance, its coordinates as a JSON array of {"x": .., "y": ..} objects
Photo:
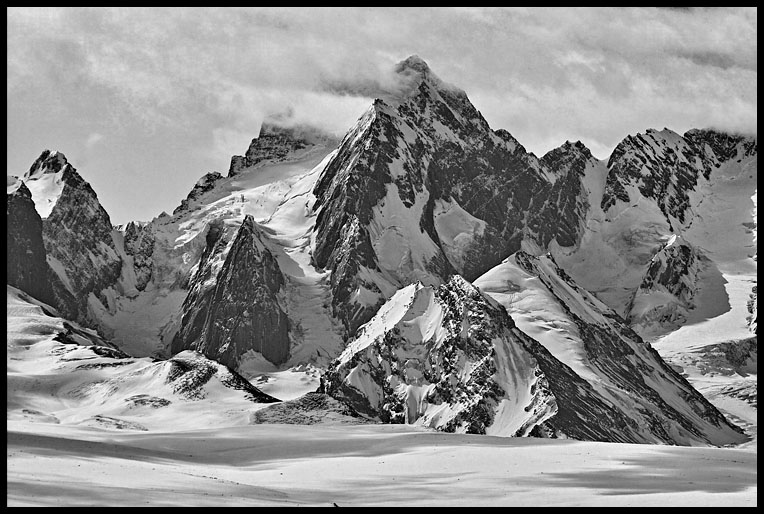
[
  {"x": 62, "y": 373},
  {"x": 228, "y": 273},
  {"x": 422, "y": 188},
  {"x": 358, "y": 255},
  {"x": 657, "y": 186},
  {"x": 451, "y": 358},
  {"x": 77, "y": 235}
]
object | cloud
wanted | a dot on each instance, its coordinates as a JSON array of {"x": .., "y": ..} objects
[
  {"x": 169, "y": 63},
  {"x": 93, "y": 139},
  {"x": 209, "y": 76}
]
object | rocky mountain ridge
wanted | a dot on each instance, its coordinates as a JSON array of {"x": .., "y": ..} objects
[{"x": 419, "y": 193}]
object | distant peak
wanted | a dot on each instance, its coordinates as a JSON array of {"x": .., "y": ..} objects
[
  {"x": 413, "y": 77},
  {"x": 568, "y": 150},
  {"x": 307, "y": 134},
  {"x": 576, "y": 145},
  {"x": 48, "y": 162},
  {"x": 666, "y": 133}
]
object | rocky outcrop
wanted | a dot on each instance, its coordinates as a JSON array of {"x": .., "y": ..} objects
[
  {"x": 752, "y": 317},
  {"x": 274, "y": 144},
  {"x": 26, "y": 265},
  {"x": 77, "y": 236},
  {"x": 669, "y": 286},
  {"x": 234, "y": 310},
  {"x": 665, "y": 167},
  {"x": 139, "y": 243},
  {"x": 203, "y": 185}
]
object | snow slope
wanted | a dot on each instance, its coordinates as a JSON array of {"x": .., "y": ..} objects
[
  {"x": 62, "y": 374},
  {"x": 583, "y": 333},
  {"x": 278, "y": 194}
]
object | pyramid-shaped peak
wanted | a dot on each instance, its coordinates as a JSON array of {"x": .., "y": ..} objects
[{"x": 48, "y": 162}]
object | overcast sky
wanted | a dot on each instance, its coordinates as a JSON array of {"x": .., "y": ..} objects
[{"x": 143, "y": 101}]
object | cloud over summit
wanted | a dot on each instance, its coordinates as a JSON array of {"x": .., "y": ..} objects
[{"x": 205, "y": 78}]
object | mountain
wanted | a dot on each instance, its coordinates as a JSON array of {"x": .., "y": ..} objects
[
  {"x": 219, "y": 275},
  {"x": 452, "y": 358},
  {"x": 26, "y": 264},
  {"x": 659, "y": 185},
  {"x": 394, "y": 258},
  {"x": 77, "y": 236},
  {"x": 422, "y": 188},
  {"x": 276, "y": 143},
  {"x": 669, "y": 286},
  {"x": 241, "y": 312}
]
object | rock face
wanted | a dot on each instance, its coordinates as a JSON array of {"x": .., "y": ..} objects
[
  {"x": 76, "y": 234},
  {"x": 203, "y": 185},
  {"x": 26, "y": 267},
  {"x": 654, "y": 186},
  {"x": 274, "y": 144},
  {"x": 228, "y": 313},
  {"x": 753, "y": 312},
  {"x": 669, "y": 286},
  {"x": 444, "y": 357},
  {"x": 452, "y": 358},
  {"x": 611, "y": 356},
  {"x": 139, "y": 240},
  {"x": 666, "y": 167},
  {"x": 422, "y": 188}
]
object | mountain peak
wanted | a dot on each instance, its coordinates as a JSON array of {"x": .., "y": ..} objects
[
  {"x": 48, "y": 162},
  {"x": 413, "y": 63},
  {"x": 276, "y": 142},
  {"x": 577, "y": 146},
  {"x": 410, "y": 74}
]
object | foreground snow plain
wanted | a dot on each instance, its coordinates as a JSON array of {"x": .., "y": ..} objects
[{"x": 361, "y": 465}]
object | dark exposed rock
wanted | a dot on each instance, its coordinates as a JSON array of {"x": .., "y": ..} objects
[
  {"x": 201, "y": 289},
  {"x": 435, "y": 149},
  {"x": 241, "y": 312},
  {"x": 665, "y": 166},
  {"x": 753, "y": 311},
  {"x": 139, "y": 243},
  {"x": 149, "y": 401},
  {"x": 309, "y": 409},
  {"x": 723, "y": 145},
  {"x": 76, "y": 335},
  {"x": 203, "y": 185},
  {"x": 274, "y": 143},
  {"x": 189, "y": 373},
  {"x": 77, "y": 238},
  {"x": 26, "y": 265},
  {"x": 675, "y": 269}
]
